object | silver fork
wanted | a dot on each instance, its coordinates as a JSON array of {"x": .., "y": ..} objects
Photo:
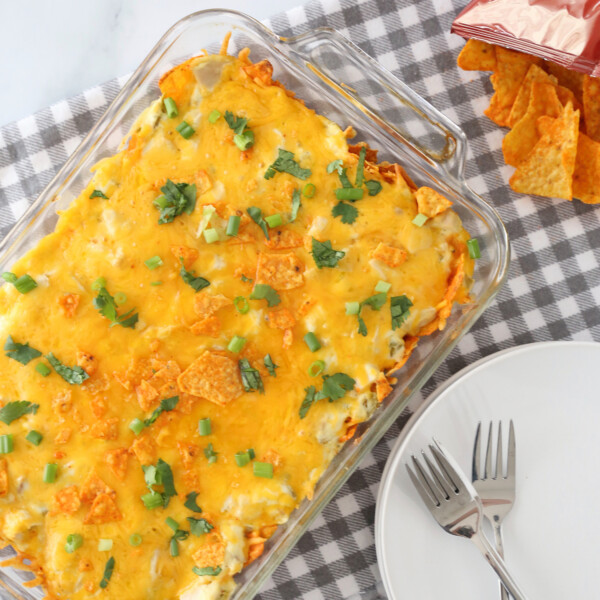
[
  {"x": 454, "y": 503},
  {"x": 497, "y": 492}
]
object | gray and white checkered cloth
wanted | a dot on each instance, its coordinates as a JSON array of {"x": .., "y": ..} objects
[{"x": 553, "y": 291}]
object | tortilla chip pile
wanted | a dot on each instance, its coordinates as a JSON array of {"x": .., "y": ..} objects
[{"x": 554, "y": 120}]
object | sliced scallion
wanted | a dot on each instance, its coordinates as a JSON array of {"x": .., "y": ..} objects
[
  {"x": 473, "y": 248},
  {"x": 241, "y": 304},
  {"x": 308, "y": 191},
  {"x": 211, "y": 235},
  {"x": 172, "y": 523},
  {"x": 204, "y": 427},
  {"x": 312, "y": 342},
  {"x": 262, "y": 469},
  {"x": 420, "y": 220},
  {"x": 74, "y": 542},
  {"x": 185, "y": 130},
  {"x": 316, "y": 368},
  {"x": 34, "y": 437},
  {"x": 135, "y": 539},
  {"x": 383, "y": 287},
  {"x": 170, "y": 107},
  {"x": 120, "y": 298},
  {"x": 351, "y": 194},
  {"x": 154, "y": 262},
  {"x": 233, "y": 225},
  {"x": 50, "y": 471},
  {"x": 352, "y": 308},
  {"x": 6, "y": 443},
  {"x": 214, "y": 116},
  {"x": 42, "y": 369},
  {"x": 236, "y": 344},
  {"x": 99, "y": 283},
  {"x": 242, "y": 458},
  {"x": 136, "y": 426},
  {"x": 105, "y": 545},
  {"x": 274, "y": 220}
]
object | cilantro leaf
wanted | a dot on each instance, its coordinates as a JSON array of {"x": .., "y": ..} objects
[
  {"x": 180, "y": 535},
  {"x": 22, "y": 353},
  {"x": 296, "y": 204},
  {"x": 166, "y": 477},
  {"x": 12, "y": 411},
  {"x": 72, "y": 375},
  {"x": 309, "y": 400},
  {"x": 263, "y": 291},
  {"x": 107, "y": 307},
  {"x": 360, "y": 169},
  {"x": 251, "y": 379},
  {"x": 190, "y": 502},
  {"x": 344, "y": 178},
  {"x": 271, "y": 366},
  {"x": 166, "y": 404},
  {"x": 373, "y": 186},
  {"x": 246, "y": 279},
  {"x": 346, "y": 211},
  {"x": 400, "y": 309},
  {"x": 325, "y": 255},
  {"x": 98, "y": 194},
  {"x": 335, "y": 165},
  {"x": 237, "y": 124},
  {"x": 108, "y": 571},
  {"x": 362, "y": 326},
  {"x": 199, "y": 526},
  {"x": 176, "y": 199},
  {"x": 336, "y": 386},
  {"x": 285, "y": 163},
  {"x": 198, "y": 283},
  {"x": 256, "y": 215}
]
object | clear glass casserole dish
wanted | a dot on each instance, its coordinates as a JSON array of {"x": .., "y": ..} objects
[{"x": 338, "y": 80}]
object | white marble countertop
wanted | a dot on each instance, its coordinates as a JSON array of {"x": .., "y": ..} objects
[{"x": 53, "y": 50}]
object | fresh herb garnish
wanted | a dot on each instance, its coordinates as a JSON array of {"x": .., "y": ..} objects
[
  {"x": 178, "y": 536},
  {"x": 210, "y": 571},
  {"x": 107, "y": 307},
  {"x": 256, "y": 215},
  {"x": 334, "y": 387},
  {"x": 346, "y": 211},
  {"x": 296, "y": 204},
  {"x": 344, "y": 178},
  {"x": 108, "y": 571},
  {"x": 325, "y": 255},
  {"x": 271, "y": 366},
  {"x": 198, "y": 283},
  {"x": 176, "y": 199},
  {"x": 160, "y": 474},
  {"x": 166, "y": 404},
  {"x": 263, "y": 291},
  {"x": 375, "y": 302},
  {"x": 12, "y": 411},
  {"x": 251, "y": 379},
  {"x": 246, "y": 279},
  {"x": 24, "y": 284},
  {"x": 309, "y": 400},
  {"x": 285, "y": 163},
  {"x": 73, "y": 375},
  {"x": 400, "y": 308},
  {"x": 335, "y": 165},
  {"x": 237, "y": 124},
  {"x": 190, "y": 502},
  {"x": 199, "y": 526},
  {"x": 360, "y": 169},
  {"x": 244, "y": 137},
  {"x": 373, "y": 186},
  {"x": 210, "y": 454},
  {"x": 22, "y": 353},
  {"x": 98, "y": 194}
]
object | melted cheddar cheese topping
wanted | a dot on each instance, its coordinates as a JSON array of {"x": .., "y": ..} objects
[{"x": 134, "y": 320}]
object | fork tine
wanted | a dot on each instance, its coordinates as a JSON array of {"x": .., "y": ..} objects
[
  {"x": 476, "y": 463},
  {"x": 436, "y": 492},
  {"x": 424, "y": 492},
  {"x": 512, "y": 453},
  {"x": 440, "y": 479},
  {"x": 447, "y": 466},
  {"x": 488, "y": 455},
  {"x": 499, "y": 454}
]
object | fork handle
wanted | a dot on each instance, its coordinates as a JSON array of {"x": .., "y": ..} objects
[
  {"x": 498, "y": 565},
  {"x": 500, "y": 549}
]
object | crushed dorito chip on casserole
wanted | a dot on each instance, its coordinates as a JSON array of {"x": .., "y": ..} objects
[{"x": 205, "y": 328}]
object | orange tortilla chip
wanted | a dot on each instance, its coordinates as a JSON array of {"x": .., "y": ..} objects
[
  {"x": 67, "y": 500},
  {"x": 3, "y": 477},
  {"x": 105, "y": 430},
  {"x": 389, "y": 255},
  {"x": 586, "y": 178},
  {"x": 591, "y": 106},
  {"x": 92, "y": 487},
  {"x": 213, "y": 377},
  {"x": 477, "y": 56},
  {"x": 565, "y": 95},
  {"x": 212, "y": 553},
  {"x": 281, "y": 319},
  {"x": 572, "y": 80},
  {"x": 521, "y": 139},
  {"x": 206, "y": 305},
  {"x": 454, "y": 284},
  {"x": 523, "y": 99},
  {"x": 144, "y": 449},
  {"x": 189, "y": 255},
  {"x": 382, "y": 387},
  {"x": 280, "y": 271},
  {"x": 210, "y": 326},
  {"x": 430, "y": 202},
  {"x": 512, "y": 66},
  {"x": 117, "y": 460},
  {"x": 284, "y": 239},
  {"x": 68, "y": 304},
  {"x": 188, "y": 453},
  {"x": 548, "y": 171},
  {"x": 146, "y": 395},
  {"x": 104, "y": 509}
]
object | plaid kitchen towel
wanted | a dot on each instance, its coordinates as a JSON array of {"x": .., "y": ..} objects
[{"x": 553, "y": 291}]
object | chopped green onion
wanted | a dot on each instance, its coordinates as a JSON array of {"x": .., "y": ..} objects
[
  {"x": 9, "y": 277},
  {"x": 207, "y": 214},
  {"x": 236, "y": 344},
  {"x": 383, "y": 287},
  {"x": 214, "y": 116},
  {"x": 98, "y": 194},
  {"x": 420, "y": 220},
  {"x": 172, "y": 523},
  {"x": 170, "y": 107},
  {"x": 210, "y": 454},
  {"x": 233, "y": 225},
  {"x": 274, "y": 220},
  {"x": 136, "y": 426},
  {"x": 241, "y": 304},
  {"x": 316, "y": 368},
  {"x": 204, "y": 427},
  {"x": 242, "y": 458},
  {"x": 351, "y": 194},
  {"x": 156, "y": 283},
  {"x": 251, "y": 453},
  {"x": 244, "y": 140},
  {"x": 263, "y": 469},
  {"x": 34, "y": 437},
  {"x": 50, "y": 471},
  {"x": 152, "y": 500},
  {"x": 104, "y": 545},
  {"x": 42, "y": 369},
  {"x": 473, "y": 247},
  {"x": 211, "y": 571},
  {"x": 6, "y": 443},
  {"x": 135, "y": 539},
  {"x": 174, "y": 547},
  {"x": 211, "y": 235},
  {"x": 120, "y": 298},
  {"x": 352, "y": 308},
  {"x": 312, "y": 342},
  {"x": 25, "y": 284},
  {"x": 308, "y": 191},
  {"x": 185, "y": 130},
  {"x": 99, "y": 283},
  {"x": 154, "y": 262},
  {"x": 74, "y": 542}
]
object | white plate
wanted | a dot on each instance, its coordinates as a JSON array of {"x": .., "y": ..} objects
[{"x": 552, "y": 392}]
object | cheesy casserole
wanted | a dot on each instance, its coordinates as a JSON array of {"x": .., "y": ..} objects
[{"x": 211, "y": 318}]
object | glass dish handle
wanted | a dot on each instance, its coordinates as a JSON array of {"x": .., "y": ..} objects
[{"x": 394, "y": 106}]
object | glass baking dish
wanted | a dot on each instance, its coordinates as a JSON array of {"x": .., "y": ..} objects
[{"x": 338, "y": 80}]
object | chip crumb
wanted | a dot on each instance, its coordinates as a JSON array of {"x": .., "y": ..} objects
[
  {"x": 280, "y": 271},
  {"x": 389, "y": 255}
]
